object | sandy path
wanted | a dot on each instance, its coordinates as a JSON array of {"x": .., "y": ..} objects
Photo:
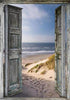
[{"x": 37, "y": 85}]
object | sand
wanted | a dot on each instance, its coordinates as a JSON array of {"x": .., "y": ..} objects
[
  {"x": 35, "y": 84},
  {"x": 34, "y": 58}
]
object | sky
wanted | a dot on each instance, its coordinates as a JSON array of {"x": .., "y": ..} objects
[{"x": 38, "y": 22}]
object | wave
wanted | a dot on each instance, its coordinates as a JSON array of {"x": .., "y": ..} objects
[
  {"x": 26, "y": 48},
  {"x": 35, "y": 52}
]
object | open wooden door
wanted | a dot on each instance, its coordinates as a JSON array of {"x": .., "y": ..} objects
[
  {"x": 60, "y": 50},
  {"x": 13, "y": 78}
]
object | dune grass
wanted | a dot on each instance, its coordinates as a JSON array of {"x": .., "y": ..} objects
[
  {"x": 35, "y": 68},
  {"x": 43, "y": 72},
  {"x": 50, "y": 64},
  {"x": 28, "y": 64}
]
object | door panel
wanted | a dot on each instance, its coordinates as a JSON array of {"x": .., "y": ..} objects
[
  {"x": 13, "y": 50},
  {"x": 60, "y": 50}
]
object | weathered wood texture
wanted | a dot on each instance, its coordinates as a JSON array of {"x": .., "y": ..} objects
[
  {"x": 60, "y": 50},
  {"x": 63, "y": 50},
  {"x": 1, "y": 49},
  {"x": 13, "y": 57},
  {"x": 13, "y": 68},
  {"x": 35, "y": 1},
  {"x": 34, "y": 98},
  {"x": 68, "y": 51}
]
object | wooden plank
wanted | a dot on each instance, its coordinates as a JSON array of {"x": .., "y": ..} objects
[
  {"x": 1, "y": 49},
  {"x": 18, "y": 98},
  {"x": 60, "y": 50},
  {"x": 57, "y": 51},
  {"x": 63, "y": 50},
  {"x": 68, "y": 51},
  {"x": 6, "y": 50},
  {"x": 35, "y": 1}
]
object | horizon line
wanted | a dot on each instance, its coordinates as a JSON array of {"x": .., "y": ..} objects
[{"x": 38, "y": 42}]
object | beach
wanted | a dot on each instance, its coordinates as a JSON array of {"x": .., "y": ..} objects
[
  {"x": 34, "y": 58},
  {"x": 36, "y": 84},
  {"x": 37, "y": 80}
]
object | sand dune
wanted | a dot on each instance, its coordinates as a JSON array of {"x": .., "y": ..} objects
[{"x": 34, "y": 64}]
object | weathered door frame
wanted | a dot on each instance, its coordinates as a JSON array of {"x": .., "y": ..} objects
[
  {"x": 60, "y": 52},
  {"x": 68, "y": 50},
  {"x": 1, "y": 51}
]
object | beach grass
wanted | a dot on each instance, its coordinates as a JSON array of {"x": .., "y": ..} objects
[
  {"x": 50, "y": 64},
  {"x": 27, "y": 64},
  {"x": 43, "y": 72}
]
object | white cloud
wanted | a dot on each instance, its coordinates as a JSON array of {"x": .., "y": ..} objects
[
  {"x": 38, "y": 38},
  {"x": 31, "y": 11}
]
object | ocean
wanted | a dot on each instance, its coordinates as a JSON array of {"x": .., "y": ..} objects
[{"x": 37, "y": 48}]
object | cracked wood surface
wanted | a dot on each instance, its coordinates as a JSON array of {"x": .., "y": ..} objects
[{"x": 35, "y": 1}]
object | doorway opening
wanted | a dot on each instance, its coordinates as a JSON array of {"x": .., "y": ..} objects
[
  {"x": 40, "y": 25},
  {"x": 38, "y": 50}
]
